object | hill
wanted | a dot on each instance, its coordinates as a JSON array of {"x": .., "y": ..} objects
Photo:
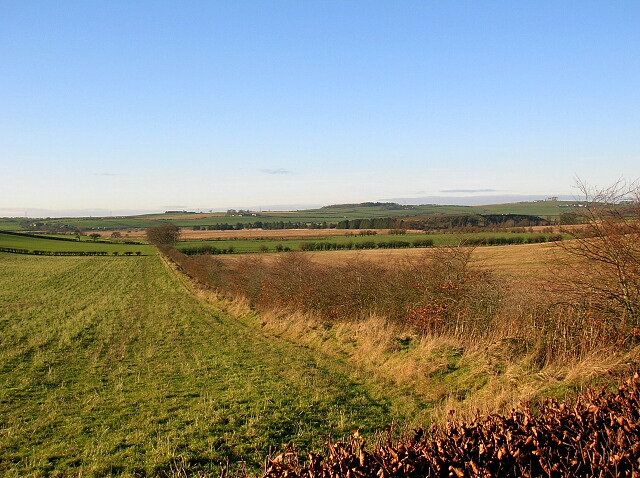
[{"x": 328, "y": 216}]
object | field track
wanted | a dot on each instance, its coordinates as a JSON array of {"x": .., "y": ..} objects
[{"x": 112, "y": 367}]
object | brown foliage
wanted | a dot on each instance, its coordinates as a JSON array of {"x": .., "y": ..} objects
[
  {"x": 449, "y": 293},
  {"x": 167, "y": 234},
  {"x": 437, "y": 293},
  {"x": 443, "y": 292},
  {"x": 598, "y": 435}
]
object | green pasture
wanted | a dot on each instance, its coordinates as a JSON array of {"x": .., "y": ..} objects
[
  {"x": 59, "y": 245},
  {"x": 259, "y": 245},
  {"x": 11, "y": 224},
  {"x": 241, "y": 246},
  {"x": 112, "y": 367}
]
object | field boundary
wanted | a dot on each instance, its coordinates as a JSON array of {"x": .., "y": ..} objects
[{"x": 12, "y": 250}]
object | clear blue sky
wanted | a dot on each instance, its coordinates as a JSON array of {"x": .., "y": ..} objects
[{"x": 154, "y": 105}]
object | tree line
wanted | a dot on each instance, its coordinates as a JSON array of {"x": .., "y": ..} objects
[
  {"x": 336, "y": 246},
  {"x": 446, "y": 221}
]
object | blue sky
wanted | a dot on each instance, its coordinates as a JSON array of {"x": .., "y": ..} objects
[{"x": 154, "y": 105}]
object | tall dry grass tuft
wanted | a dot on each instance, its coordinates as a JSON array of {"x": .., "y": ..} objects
[{"x": 488, "y": 376}]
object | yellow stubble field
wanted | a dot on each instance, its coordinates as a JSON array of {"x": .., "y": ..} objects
[{"x": 517, "y": 261}]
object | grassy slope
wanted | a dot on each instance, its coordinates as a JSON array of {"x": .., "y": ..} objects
[
  {"x": 39, "y": 244},
  {"x": 110, "y": 366}
]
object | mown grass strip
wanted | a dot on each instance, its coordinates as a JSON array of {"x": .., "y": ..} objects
[{"x": 111, "y": 367}]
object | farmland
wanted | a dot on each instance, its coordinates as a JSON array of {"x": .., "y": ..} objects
[
  {"x": 66, "y": 245},
  {"x": 112, "y": 366},
  {"x": 124, "y": 367},
  {"x": 321, "y": 217},
  {"x": 169, "y": 364},
  {"x": 349, "y": 241},
  {"x": 526, "y": 261}
]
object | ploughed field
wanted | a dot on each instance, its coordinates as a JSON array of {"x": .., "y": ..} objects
[{"x": 111, "y": 365}]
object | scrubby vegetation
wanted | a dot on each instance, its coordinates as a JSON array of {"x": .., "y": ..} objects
[
  {"x": 452, "y": 320},
  {"x": 598, "y": 435},
  {"x": 445, "y": 293},
  {"x": 164, "y": 383}
]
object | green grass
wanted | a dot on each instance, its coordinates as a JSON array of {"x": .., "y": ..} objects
[
  {"x": 10, "y": 224},
  {"x": 52, "y": 245},
  {"x": 112, "y": 367},
  {"x": 259, "y": 245}
]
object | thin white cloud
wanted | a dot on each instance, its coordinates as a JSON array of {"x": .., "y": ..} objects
[
  {"x": 276, "y": 171},
  {"x": 473, "y": 191}
]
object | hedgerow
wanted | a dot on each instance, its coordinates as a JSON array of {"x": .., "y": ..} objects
[{"x": 597, "y": 435}]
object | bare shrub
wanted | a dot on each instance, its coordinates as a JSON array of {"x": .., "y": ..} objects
[
  {"x": 247, "y": 279},
  {"x": 601, "y": 278},
  {"x": 361, "y": 288},
  {"x": 290, "y": 282},
  {"x": 452, "y": 294},
  {"x": 210, "y": 270}
]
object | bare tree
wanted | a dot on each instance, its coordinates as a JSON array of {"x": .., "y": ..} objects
[{"x": 603, "y": 267}]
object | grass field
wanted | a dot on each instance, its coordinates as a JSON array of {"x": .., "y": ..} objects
[
  {"x": 113, "y": 367},
  {"x": 268, "y": 242},
  {"x": 52, "y": 245}
]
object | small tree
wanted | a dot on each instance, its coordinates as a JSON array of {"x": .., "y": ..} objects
[
  {"x": 94, "y": 236},
  {"x": 167, "y": 234},
  {"x": 569, "y": 218}
]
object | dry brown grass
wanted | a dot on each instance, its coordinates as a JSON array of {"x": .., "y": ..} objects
[
  {"x": 492, "y": 371},
  {"x": 491, "y": 377}
]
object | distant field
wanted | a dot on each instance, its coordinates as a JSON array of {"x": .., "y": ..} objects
[
  {"x": 269, "y": 242},
  {"x": 526, "y": 261},
  {"x": 52, "y": 245},
  {"x": 547, "y": 210},
  {"x": 276, "y": 234},
  {"x": 259, "y": 243}
]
